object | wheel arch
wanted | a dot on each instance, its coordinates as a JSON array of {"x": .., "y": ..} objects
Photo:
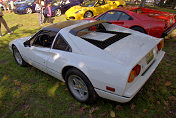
[
  {"x": 138, "y": 27},
  {"x": 68, "y": 67}
]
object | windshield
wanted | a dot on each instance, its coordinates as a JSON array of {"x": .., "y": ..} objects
[
  {"x": 88, "y": 4},
  {"x": 59, "y": 2}
]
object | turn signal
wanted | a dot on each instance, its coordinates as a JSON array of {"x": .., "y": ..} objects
[
  {"x": 134, "y": 73},
  {"x": 160, "y": 45}
]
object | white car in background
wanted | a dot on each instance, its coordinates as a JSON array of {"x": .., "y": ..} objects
[{"x": 94, "y": 58}]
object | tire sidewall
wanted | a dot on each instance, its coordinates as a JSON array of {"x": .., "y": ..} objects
[
  {"x": 27, "y": 10},
  {"x": 91, "y": 92},
  {"x": 23, "y": 62},
  {"x": 57, "y": 11},
  {"x": 86, "y": 13}
]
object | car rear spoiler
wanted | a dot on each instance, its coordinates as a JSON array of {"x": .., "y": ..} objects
[{"x": 168, "y": 30}]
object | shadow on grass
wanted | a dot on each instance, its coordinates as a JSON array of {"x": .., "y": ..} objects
[
  {"x": 5, "y": 40},
  {"x": 16, "y": 27}
]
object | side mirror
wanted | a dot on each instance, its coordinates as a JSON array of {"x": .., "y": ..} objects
[{"x": 27, "y": 43}]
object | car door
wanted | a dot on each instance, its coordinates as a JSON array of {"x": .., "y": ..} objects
[
  {"x": 38, "y": 51},
  {"x": 59, "y": 55},
  {"x": 117, "y": 17},
  {"x": 124, "y": 20}
]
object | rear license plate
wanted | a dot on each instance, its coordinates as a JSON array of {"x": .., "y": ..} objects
[{"x": 149, "y": 56}]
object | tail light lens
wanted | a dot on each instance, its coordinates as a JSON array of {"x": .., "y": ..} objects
[
  {"x": 134, "y": 73},
  {"x": 160, "y": 45}
]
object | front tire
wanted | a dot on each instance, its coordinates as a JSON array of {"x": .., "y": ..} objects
[
  {"x": 80, "y": 87},
  {"x": 58, "y": 12},
  {"x": 18, "y": 57},
  {"x": 88, "y": 14},
  {"x": 28, "y": 10}
]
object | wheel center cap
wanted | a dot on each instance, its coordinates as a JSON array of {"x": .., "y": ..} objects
[{"x": 79, "y": 86}]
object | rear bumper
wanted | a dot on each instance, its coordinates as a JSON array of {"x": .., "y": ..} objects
[
  {"x": 132, "y": 91},
  {"x": 111, "y": 96},
  {"x": 167, "y": 31}
]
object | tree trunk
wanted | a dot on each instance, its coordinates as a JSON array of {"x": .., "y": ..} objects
[{"x": 142, "y": 4}]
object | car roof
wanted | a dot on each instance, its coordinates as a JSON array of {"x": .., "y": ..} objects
[{"x": 60, "y": 25}]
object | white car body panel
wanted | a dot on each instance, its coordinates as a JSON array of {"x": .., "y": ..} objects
[{"x": 104, "y": 67}]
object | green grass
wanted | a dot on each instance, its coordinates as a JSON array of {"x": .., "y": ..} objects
[{"x": 28, "y": 92}]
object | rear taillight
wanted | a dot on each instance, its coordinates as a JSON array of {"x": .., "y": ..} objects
[
  {"x": 160, "y": 45},
  {"x": 134, "y": 73}
]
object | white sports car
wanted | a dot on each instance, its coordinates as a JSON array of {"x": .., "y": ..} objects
[{"x": 94, "y": 58}]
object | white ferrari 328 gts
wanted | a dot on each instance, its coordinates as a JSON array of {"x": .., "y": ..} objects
[{"x": 94, "y": 58}]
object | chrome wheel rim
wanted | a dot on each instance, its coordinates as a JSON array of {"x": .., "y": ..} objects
[
  {"x": 18, "y": 56},
  {"x": 58, "y": 12},
  {"x": 28, "y": 10},
  {"x": 88, "y": 14},
  {"x": 78, "y": 88}
]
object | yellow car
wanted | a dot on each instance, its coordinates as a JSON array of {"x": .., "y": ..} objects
[{"x": 92, "y": 8}]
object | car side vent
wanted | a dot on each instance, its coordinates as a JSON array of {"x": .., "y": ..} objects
[{"x": 109, "y": 41}]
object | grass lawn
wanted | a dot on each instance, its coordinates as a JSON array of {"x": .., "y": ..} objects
[{"x": 28, "y": 92}]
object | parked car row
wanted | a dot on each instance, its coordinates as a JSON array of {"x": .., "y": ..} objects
[
  {"x": 58, "y": 7},
  {"x": 152, "y": 22}
]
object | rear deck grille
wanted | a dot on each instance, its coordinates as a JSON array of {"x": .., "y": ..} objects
[{"x": 109, "y": 41}]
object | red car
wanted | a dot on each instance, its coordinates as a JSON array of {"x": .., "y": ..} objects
[{"x": 153, "y": 22}]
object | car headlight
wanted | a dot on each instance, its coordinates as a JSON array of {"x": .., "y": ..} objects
[{"x": 77, "y": 11}]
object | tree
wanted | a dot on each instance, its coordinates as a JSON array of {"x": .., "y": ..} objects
[{"x": 142, "y": 4}]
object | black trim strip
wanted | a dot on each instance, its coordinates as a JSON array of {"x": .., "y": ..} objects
[
  {"x": 167, "y": 31},
  {"x": 109, "y": 41},
  {"x": 148, "y": 68}
]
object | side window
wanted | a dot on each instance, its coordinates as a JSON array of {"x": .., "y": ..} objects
[
  {"x": 61, "y": 44},
  {"x": 124, "y": 16},
  {"x": 43, "y": 38},
  {"x": 110, "y": 16}
]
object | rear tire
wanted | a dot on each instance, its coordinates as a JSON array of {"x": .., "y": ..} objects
[
  {"x": 28, "y": 10},
  {"x": 58, "y": 12},
  {"x": 80, "y": 87},
  {"x": 88, "y": 14},
  {"x": 138, "y": 29},
  {"x": 18, "y": 57}
]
